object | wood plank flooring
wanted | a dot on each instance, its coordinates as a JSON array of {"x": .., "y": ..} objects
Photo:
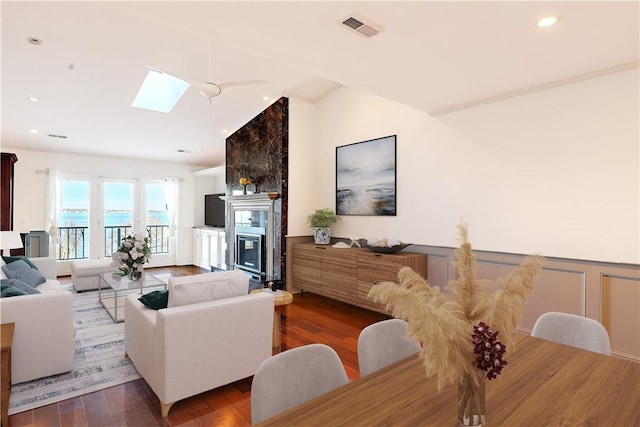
[{"x": 309, "y": 319}]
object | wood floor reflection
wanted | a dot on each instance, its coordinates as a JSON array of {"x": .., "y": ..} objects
[{"x": 309, "y": 319}]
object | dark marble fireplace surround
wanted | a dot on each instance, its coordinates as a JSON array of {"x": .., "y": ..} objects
[{"x": 259, "y": 151}]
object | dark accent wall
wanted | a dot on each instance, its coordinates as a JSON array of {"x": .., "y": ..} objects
[{"x": 259, "y": 150}]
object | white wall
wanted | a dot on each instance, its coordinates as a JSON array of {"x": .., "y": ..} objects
[
  {"x": 554, "y": 172},
  {"x": 29, "y": 198}
]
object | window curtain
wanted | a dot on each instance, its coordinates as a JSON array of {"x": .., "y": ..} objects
[
  {"x": 54, "y": 180},
  {"x": 171, "y": 194}
]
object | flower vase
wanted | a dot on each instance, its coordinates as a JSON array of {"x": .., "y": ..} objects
[
  {"x": 244, "y": 189},
  {"x": 471, "y": 396},
  {"x": 135, "y": 275},
  {"x": 322, "y": 235}
]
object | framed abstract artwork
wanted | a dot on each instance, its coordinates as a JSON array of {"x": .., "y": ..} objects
[{"x": 366, "y": 177}]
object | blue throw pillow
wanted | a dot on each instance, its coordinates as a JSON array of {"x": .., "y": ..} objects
[
  {"x": 20, "y": 285},
  {"x": 155, "y": 299},
  {"x": 20, "y": 270},
  {"x": 10, "y": 291},
  {"x": 10, "y": 259}
]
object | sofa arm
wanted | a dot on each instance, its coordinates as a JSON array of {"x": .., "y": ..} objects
[
  {"x": 140, "y": 344},
  {"x": 46, "y": 266},
  {"x": 43, "y": 341}
]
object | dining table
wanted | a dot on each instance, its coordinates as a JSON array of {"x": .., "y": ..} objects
[{"x": 543, "y": 384}]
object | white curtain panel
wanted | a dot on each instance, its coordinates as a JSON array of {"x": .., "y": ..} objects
[{"x": 54, "y": 179}]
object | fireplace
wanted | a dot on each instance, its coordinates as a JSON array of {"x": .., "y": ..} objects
[
  {"x": 254, "y": 218},
  {"x": 250, "y": 253}
]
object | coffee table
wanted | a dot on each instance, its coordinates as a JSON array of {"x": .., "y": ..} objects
[{"x": 116, "y": 287}]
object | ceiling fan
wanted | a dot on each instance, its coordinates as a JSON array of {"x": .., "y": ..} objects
[{"x": 210, "y": 90}]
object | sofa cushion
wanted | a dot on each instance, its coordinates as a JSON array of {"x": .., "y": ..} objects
[
  {"x": 207, "y": 287},
  {"x": 20, "y": 270},
  {"x": 20, "y": 285},
  {"x": 10, "y": 291},
  {"x": 10, "y": 259},
  {"x": 155, "y": 299}
]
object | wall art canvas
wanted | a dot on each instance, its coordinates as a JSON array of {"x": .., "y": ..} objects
[{"x": 366, "y": 177}]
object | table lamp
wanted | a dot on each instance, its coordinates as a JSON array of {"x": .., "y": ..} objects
[{"x": 10, "y": 240}]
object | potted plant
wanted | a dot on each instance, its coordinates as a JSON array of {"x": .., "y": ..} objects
[{"x": 320, "y": 220}]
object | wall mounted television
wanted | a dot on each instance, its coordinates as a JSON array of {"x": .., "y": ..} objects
[{"x": 214, "y": 215}]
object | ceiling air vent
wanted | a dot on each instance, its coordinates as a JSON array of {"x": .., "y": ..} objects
[
  {"x": 359, "y": 26},
  {"x": 57, "y": 136}
]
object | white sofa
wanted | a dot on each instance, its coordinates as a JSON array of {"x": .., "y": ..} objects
[
  {"x": 43, "y": 339},
  {"x": 184, "y": 350}
]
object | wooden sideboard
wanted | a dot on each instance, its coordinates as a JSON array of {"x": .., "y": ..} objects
[{"x": 348, "y": 274}]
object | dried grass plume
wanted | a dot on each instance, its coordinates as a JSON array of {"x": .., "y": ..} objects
[{"x": 442, "y": 322}]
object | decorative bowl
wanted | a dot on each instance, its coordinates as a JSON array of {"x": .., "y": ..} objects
[{"x": 387, "y": 249}]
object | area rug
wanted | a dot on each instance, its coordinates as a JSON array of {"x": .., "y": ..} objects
[{"x": 99, "y": 360}]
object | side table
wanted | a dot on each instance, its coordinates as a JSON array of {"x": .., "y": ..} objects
[
  {"x": 280, "y": 298},
  {"x": 6, "y": 336}
]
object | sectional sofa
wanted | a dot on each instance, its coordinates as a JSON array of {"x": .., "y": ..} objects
[{"x": 43, "y": 340}]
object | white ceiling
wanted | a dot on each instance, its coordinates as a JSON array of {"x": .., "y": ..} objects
[{"x": 434, "y": 56}]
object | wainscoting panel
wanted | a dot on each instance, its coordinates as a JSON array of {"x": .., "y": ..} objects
[
  {"x": 438, "y": 270},
  {"x": 621, "y": 313},
  {"x": 606, "y": 292}
]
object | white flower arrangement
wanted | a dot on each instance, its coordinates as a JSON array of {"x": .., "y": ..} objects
[{"x": 133, "y": 253}]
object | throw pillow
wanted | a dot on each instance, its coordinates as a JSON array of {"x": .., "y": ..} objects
[
  {"x": 155, "y": 299},
  {"x": 20, "y": 270},
  {"x": 10, "y": 291},
  {"x": 2, "y": 264},
  {"x": 10, "y": 259},
  {"x": 20, "y": 285}
]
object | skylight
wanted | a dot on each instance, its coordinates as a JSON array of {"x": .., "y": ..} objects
[{"x": 160, "y": 92}]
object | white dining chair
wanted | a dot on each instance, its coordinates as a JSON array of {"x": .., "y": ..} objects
[
  {"x": 573, "y": 330},
  {"x": 293, "y": 377},
  {"x": 384, "y": 343}
]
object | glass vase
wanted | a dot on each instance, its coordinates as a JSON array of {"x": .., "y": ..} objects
[
  {"x": 135, "y": 275},
  {"x": 471, "y": 396}
]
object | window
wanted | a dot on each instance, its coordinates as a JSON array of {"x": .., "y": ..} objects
[
  {"x": 157, "y": 218},
  {"x": 96, "y": 214},
  {"x": 73, "y": 222}
]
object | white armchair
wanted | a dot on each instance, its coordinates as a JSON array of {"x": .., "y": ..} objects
[{"x": 184, "y": 350}]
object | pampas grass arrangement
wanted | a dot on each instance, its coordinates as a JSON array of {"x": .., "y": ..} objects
[{"x": 443, "y": 322}]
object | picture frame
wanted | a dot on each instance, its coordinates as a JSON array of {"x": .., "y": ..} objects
[{"x": 366, "y": 177}]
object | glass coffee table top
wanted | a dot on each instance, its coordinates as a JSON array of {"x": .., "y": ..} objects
[{"x": 112, "y": 289}]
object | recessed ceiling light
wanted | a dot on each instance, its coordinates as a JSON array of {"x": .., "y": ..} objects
[
  {"x": 34, "y": 41},
  {"x": 224, "y": 131},
  {"x": 265, "y": 98},
  {"x": 200, "y": 151},
  {"x": 33, "y": 130},
  {"x": 33, "y": 99},
  {"x": 547, "y": 21}
]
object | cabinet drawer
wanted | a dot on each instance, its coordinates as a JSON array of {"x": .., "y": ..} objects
[
  {"x": 339, "y": 274},
  {"x": 362, "y": 292},
  {"x": 378, "y": 268},
  {"x": 307, "y": 268}
]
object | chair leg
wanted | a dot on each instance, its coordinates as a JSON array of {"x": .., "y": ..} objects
[{"x": 164, "y": 409}]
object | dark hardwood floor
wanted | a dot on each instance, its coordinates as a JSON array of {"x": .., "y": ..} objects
[{"x": 309, "y": 319}]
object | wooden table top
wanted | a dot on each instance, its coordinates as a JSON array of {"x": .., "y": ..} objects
[
  {"x": 545, "y": 383},
  {"x": 280, "y": 298}
]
